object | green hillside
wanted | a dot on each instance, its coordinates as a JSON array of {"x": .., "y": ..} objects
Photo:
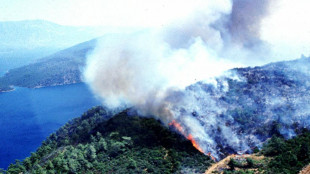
[
  {"x": 93, "y": 143},
  {"x": 99, "y": 143}
]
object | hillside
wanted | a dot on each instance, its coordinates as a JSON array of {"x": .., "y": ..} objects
[
  {"x": 63, "y": 67},
  {"x": 23, "y": 42},
  {"x": 244, "y": 108},
  {"x": 97, "y": 143}
]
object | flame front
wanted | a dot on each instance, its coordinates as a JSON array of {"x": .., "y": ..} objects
[
  {"x": 195, "y": 144},
  {"x": 189, "y": 137}
]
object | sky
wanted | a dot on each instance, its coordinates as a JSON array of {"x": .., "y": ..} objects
[
  {"x": 287, "y": 23},
  {"x": 145, "y": 13},
  {"x": 287, "y": 14},
  {"x": 288, "y": 27}
]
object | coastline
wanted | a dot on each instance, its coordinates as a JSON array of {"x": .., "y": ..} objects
[
  {"x": 55, "y": 84},
  {"x": 9, "y": 90},
  {"x": 41, "y": 86}
]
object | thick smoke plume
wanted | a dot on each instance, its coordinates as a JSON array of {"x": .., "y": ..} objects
[
  {"x": 151, "y": 70},
  {"x": 245, "y": 20}
]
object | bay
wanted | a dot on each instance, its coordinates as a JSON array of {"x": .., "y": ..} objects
[{"x": 28, "y": 116}]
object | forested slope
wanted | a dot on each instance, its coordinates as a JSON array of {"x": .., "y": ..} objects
[{"x": 93, "y": 143}]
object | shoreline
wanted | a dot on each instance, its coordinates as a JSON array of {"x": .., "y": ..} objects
[
  {"x": 10, "y": 90},
  {"x": 39, "y": 86},
  {"x": 53, "y": 85}
]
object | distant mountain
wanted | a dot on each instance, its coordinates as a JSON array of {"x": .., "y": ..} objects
[
  {"x": 97, "y": 143},
  {"x": 34, "y": 34},
  {"x": 63, "y": 67},
  {"x": 22, "y": 42}
]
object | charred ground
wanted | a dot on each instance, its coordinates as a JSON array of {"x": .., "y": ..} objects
[{"x": 254, "y": 104}]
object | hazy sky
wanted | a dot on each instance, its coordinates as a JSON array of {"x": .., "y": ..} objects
[
  {"x": 97, "y": 12},
  {"x": 132, "y": 12},
  {"x": 288, "y": 24}
]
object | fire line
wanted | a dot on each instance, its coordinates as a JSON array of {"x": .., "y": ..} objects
[{"x": 189, "y": 137}]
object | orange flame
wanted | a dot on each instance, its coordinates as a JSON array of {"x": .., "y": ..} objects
[
  {"x": 178, "y": 127},
  {"x": 189, "y": 137},
  {"x": 195, "y": 144}
]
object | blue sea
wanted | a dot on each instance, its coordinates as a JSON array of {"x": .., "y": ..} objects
[{"x": 28, "y": 116}]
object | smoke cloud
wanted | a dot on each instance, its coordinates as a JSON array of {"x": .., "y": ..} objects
[
  {"x": 152, "y": 70},
  {"x": 245, "y": 20}
]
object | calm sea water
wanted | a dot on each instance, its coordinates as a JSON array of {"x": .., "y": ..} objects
[{"x": 28, "y": 116}]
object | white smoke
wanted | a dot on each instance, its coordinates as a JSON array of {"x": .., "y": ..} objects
[
  {"x": 131, "y": 68},
  {"x": 287, "y": 29},
  {"x": 150, "y": 69}
]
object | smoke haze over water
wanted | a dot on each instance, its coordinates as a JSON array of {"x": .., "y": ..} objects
[{"x": 151, "y": 69}]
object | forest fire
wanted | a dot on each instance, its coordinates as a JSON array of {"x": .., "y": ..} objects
[
  {"x": 195, "y": 144},
  {"x": 189, "y": 137}
]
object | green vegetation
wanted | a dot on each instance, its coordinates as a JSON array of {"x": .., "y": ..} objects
[
  {"x": 288, "y": 156},
  {"x": 96, "y": 143}
]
